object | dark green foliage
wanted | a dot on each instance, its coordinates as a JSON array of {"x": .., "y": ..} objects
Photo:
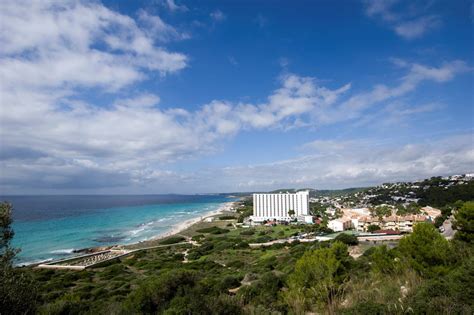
[
  {"x": 365, "y": 308},
  {"x": 318, "y": 279},
  {"x": 426, "y": 250},
  {"x": 198, "y": 237},
  {"x": 172, "y": 240},
  {"x": 18, "y": 291},
  {"x": 439, "y": 196},
  {"x": 372, "y": 228},
  {"x": 248, "y": 232},
  {"x": 227, "y": 217},
  {"x": 263, "y": 239},
  {"x": 229, "y": 282},
  {"x": 453, "y": 294},
  {"x": 225, "y": 305},
  {"x": 213, "y": 230},
  {"x": 383, "y": 260},
  {"x": 348, "y": 239},
  {"x": 464, "y": 223},
  {"x": 156, "y": 294}
]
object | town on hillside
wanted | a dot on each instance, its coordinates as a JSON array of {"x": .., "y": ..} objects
[{"x": 378, "y": 213}]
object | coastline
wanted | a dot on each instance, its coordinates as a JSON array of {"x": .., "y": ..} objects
[
  {"x": 176, "y": 229},
  {"x": 227, "y": 206}
]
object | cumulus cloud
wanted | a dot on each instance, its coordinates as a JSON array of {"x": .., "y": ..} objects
[
  {"x": 360, "y": 162},
  {"x": 174, "y": 7},
  {"x": 56, "y": 54},
  {"x": 58, "y": 140},
  {"x": 408, "y": 19},
  {"x": 55, "y": 43}
]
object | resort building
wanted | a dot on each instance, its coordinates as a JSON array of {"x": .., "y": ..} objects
[{"x": 277, "y": 206}]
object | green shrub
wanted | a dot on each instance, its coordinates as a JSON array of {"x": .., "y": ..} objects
[
  {"x": 213, "y": 230},
  {"x": 227, "y": 217},
  {"x": 172, "y": 240},
  {"x": 373, "y": 227},
  {"x": 198, "y": 237},
  {"x": 247, "y": 232},
  {"x": 348, "y": 239},
  {"x": 263, "y": 239}
]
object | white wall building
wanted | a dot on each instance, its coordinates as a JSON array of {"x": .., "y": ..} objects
[
  {"x": 276, "y": 206},
  {"x": 339, "y": 225}
]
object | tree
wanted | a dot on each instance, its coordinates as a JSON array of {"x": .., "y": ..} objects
[
  {"x": 372, "y": 228},
  {"x": 291, "y": 213},
  {"x": 319, "y": 279},
  {"x": 18, "y": 292},
  {"x": 348, "y": 239},
  {"x": 464, "y": 222},
  {"x": 426, "y": 250}
]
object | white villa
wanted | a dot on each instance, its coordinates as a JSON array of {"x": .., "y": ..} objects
[{"x": 276, "y": 206}]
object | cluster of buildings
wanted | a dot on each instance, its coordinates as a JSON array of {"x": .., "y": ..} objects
[
  {"x": 360, "y": 219},
  {"x": 285, "y": 207}
]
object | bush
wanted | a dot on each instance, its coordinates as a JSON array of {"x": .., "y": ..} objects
[
  {"x": 213, "y": 230},
  {"x": 248, "y": 232},
  {"x": 348, "y": 239},
  {"x": 263, "y": 239},
  {"x": 426, "y": 250},
  {"x": 172, "y": 240},
  {"x": 227, "y": 217},
  {"x": 156, "y": 294},
  {"x": 372, "y": 228},
  {"x": 198, "y": 237},
  {"x": 464, "y": 223},
  {"x": 229, "y": 282}
]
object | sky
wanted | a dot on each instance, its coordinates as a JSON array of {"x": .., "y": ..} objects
[{"x": 176, "y": 96}]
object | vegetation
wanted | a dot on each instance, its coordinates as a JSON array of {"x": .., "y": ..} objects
[
  {"x": 424, "y": 274},
  {"x": 213, "y": 230},
  {"x": 372, "y": 228},
  {"x": 18, "y": 292},
  {"x": 227, "y": 217},
  {"x": 348, "y": 239},
  {"x": 465, "y": 222},
  {"x": 172, "y": 240}
]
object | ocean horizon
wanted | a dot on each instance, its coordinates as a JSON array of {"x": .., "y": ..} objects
[{"x": 49, "y": 227}]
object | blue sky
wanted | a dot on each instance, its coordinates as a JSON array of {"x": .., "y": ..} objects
[{"x": 220, "y": 96}]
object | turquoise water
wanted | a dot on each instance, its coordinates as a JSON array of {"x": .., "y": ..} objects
[{"x": 62, "y": 229}]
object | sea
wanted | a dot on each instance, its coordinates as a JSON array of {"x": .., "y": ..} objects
[{"x": 55, "y": 227}]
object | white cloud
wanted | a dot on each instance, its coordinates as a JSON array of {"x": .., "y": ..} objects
[
  {"x": 57, "y": 139},
  {"x": 156, "y": 28},
  {"x": 407, "y": 19},
  {"x": 53, "y": 44},
  {"x": 218, "y": 15},
  {"x": 55, "y": 54},
  {"x": 174, "y": 7},
  {"x": 359, "y": 162},
  {"x": 417, "y": 27},
  {"x": 143, "y": 100}
]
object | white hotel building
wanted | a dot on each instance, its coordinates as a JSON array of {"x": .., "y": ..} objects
[{"x": 276, "y": 206}]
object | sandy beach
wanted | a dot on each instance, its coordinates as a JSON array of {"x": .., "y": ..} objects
[{"x": 226, "y": 207}]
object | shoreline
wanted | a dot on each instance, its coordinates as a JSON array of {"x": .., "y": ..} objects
[
  {"x": 176, "y": 229},
  {"x": 226, "y": 206}
]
